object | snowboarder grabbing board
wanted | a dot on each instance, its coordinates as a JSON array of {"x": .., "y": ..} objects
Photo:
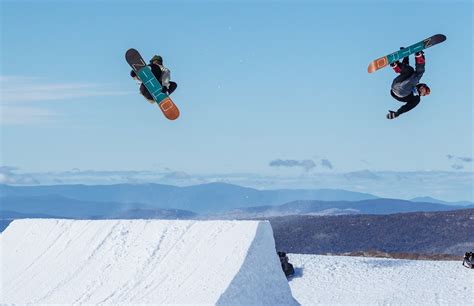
[
  {"x": 155, "y": 81},
  {"x": 406, "y": 87}
]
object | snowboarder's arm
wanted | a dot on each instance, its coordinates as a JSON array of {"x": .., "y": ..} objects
[{"x": 411, "y": 104}]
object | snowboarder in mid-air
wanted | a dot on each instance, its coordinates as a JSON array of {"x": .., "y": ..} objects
[
  {"x": 163, "y": 76},
  {"x": 406, "y": 87}
]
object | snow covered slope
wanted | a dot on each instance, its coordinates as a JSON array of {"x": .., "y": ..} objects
[
  {"x": 138, "y": 261},
  {"x": 378, "y": 281}
]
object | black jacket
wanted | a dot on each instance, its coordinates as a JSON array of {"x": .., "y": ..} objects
[{"x": 156, "y": 70}]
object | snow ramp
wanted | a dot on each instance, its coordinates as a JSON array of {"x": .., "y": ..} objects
[{"x": 141, "y": 262}]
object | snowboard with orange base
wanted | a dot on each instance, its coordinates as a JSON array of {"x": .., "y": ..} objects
[
  {"x": 143, "y": 72},
  {"x": 395, "y": 56}
]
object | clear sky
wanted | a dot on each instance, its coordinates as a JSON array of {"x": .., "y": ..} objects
[{"x": 258, "y": 81}]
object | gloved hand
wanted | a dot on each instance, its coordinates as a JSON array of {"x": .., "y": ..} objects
[
  {"x": 164, "y": 89},
  {"x": 391, "y": 115}
]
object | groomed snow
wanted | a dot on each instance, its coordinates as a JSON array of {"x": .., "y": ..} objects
[
  {"x": 203, "y": 262},
  {"x": 376, "y": 281},
  {"x": 141, "y": 261}
]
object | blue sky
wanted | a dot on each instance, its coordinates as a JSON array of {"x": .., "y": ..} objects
[{"x": 263, "y": 86}]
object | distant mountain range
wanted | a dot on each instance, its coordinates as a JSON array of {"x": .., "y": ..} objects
[
  {"x": 201, "y": 199},
  {"x": 216, "y": 199},
  {"x": 54, "y": 206},
  {"x": 376, "y": 207},
  {"x": 205, "y": 198},
  {"x": 433, "y": 200}
]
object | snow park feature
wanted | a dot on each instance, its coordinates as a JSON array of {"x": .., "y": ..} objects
[
  {"x": 164, "y": 262},
  {"x": 53, "y": 261}
]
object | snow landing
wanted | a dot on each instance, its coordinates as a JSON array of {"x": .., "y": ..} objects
[
  {"x": 141, "y": 261},
  {"x": 329, "y": 280}
]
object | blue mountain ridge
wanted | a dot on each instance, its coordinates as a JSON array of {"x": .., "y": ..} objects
[{"x": 110, "y": 201}]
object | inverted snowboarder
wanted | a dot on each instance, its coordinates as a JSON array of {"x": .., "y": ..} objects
[
  {"x": 406, "y": 87},
  {"x": 163, "y": 76}
]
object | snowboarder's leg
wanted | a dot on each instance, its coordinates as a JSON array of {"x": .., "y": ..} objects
[
  {"x": 396, "y": 67},
  {"x": 406, "y": 60},
  {"x": 420, "y": 63},
  {"x": 399, "y": 83},
  {"x": 405, "y": 72},
  {"x": 420, "y": 57}
]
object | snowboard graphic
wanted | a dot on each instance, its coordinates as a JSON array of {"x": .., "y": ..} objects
[
  {"x": 167, "y": 106},
  {"x": 395, "y": 56}
]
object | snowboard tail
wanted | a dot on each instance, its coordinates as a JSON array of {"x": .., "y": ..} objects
[
  {"x": 143, "y": 71},
  {"x": 395, "y": 56}
]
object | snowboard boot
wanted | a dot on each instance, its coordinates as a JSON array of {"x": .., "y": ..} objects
[
  {"x": 396, "y": 67},
  {"x": 420, "y": 57},
  {"x": 391, "y": 115}
]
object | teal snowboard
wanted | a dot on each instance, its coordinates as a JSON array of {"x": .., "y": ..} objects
[
  {"x": 143, "y": 71},
  {"x": 395, "y": 56}
]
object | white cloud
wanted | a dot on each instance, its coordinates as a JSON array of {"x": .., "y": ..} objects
[
  {"x": 9, "y": 175},
  {"x": 20, "y": 115},
  {"x": 29, "y": 89},
  {"x": 18, "y": 92}
]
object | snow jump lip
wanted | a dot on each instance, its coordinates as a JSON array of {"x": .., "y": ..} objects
[{"x": 141, "y": 261}]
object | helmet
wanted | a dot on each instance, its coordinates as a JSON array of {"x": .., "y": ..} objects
[
  {"x": 157, "y": 58},
  {"x": 428, "y": 90}
]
